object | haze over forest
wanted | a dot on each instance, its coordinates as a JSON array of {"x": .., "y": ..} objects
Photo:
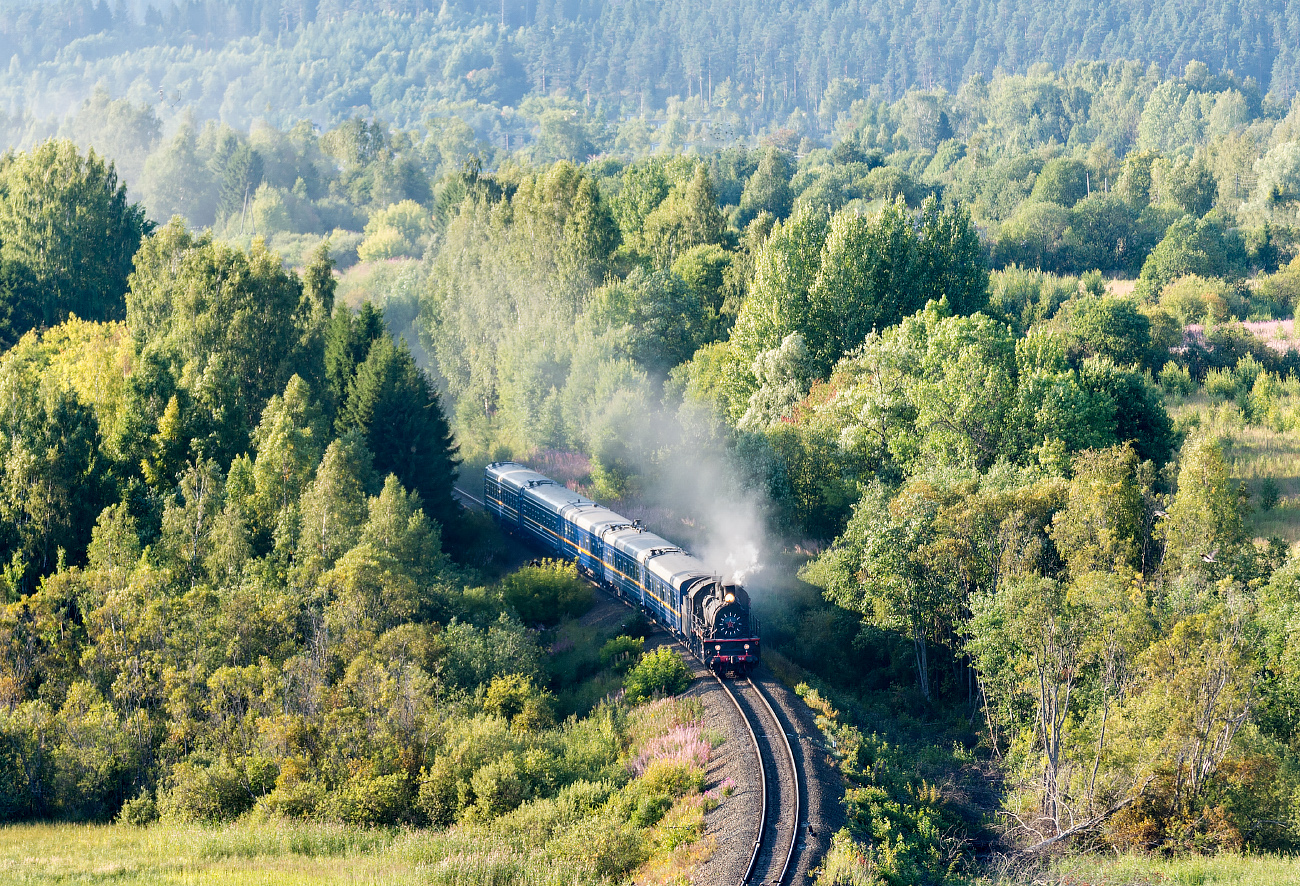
[{"x": 966, "y": 331}]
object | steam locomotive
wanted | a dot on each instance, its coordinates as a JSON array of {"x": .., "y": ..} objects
[{"x": 672, "y": 587}]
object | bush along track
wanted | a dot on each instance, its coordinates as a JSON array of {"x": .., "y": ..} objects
[{"x": 901, "y": 827}]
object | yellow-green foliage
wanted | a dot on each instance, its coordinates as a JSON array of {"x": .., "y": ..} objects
[
  {"x": 661, "y": 672},
  {"x": 1257, "y": 426},
  {"x": 547, "y": 593},
  {"x": 590, "y": 831},
  {"x": 1193, "y": 299},
  {"x": 399, "y": 231}
]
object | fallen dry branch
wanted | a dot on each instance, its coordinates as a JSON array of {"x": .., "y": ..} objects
[{"x": 1086, "y": 825}]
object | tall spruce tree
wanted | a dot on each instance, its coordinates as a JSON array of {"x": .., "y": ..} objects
[
  {"x": 347, "y": 342},
  {"x": 392, "y": 405}
]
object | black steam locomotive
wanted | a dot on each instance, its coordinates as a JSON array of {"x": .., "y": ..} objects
[{"x": 671, "y": 586}]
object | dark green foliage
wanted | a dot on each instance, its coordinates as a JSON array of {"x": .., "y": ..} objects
[
  {"x": 666, "y": 319},
  {"x": 392, "y": 405},
  {"x": 1267, "y": 493},
  {"x": 767, "y": 190},
  {"x": 835, "y": 283},
  {"x": 880, "y": 800},
  {"x": 1108, "y": 326},
  {"x": 1206, "y": 247},
  {"x": 622, "y": 652},
  {"x": 950, "y": 261},
  {"x": 1107, "y": 233},
  {"x": 239, "y": 176},
  {"x": 1101, "y": 232},
  {"x": 20, "y": 309},
  {"x": 891, "y": 183},
  {"x": 1192, "y": 186},
  {"x": 1139, "y": 413},
  {"x": 729, "y": 170},
  {"x": 51, "y": 479},
  {"x": 347, "y": 343}
]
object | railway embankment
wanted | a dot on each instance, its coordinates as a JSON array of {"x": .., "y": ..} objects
[{"x": 735, "y": 776}]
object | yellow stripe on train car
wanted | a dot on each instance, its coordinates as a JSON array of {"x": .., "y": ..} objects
[{"x": 650, "y": 593}]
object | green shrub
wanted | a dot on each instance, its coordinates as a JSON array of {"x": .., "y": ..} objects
[
  {"x": 507, "y": 695},
  {"x": 647, "y": 799},
  {"x": 24, "y": 770},
  {"x": 140, "y": 811},
  {"x": 1268, "y": 494},
  {"x": 513, "y": 697},
  {"x": 607, "y": 847},
  {"x": 675, "y": 778},
  {"x": 498, "y": 788},
  {"x": 439, "y": 796},
  {"x": 660, "y": 672},
  {"x": 1221, "y": 384},
  {"x": 381, "y": 799},
  {"x": 547, "y": 593},
  {"x": 621, "y": 653},
  {"x": 205, "y": 793},
  {"x": 1176, "y": 380},
  {"x": 299, "y": 799},
  {"x": 1248, "y": 369}
]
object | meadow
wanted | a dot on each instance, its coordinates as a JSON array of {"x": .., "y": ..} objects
[
  {"x": 652, "y": 827},
  {"x": 246, "y": 853},
  {"x": 1263, "y": 455},
  {"x": 1138, "y": 870}
]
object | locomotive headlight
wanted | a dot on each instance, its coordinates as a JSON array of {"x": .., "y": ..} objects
[
  {"x": 717, "y": 648},
  {"x": 746, "y": 647},
  {"x": 730, "y": 598}
]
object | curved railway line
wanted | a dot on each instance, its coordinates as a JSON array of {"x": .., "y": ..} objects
[
  {"x": 774, "y": 853},
  {"x": 776, "y": 839}
]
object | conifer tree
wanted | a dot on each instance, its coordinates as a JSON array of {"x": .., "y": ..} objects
[{"x": 395, "y": 409}]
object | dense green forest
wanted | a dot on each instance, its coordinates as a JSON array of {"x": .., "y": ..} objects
[
  {"x": 236, "y": 583},
  {"x": 998, "y": 385},
  {"x": 740, "y": 68}
]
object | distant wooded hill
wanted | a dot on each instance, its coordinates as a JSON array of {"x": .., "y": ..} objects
[{"x": 751, "y": 63}]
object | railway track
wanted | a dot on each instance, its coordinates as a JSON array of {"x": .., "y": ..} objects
[
  {"x": 456, "y": 490},
  {"x": 777, "y": 835}
]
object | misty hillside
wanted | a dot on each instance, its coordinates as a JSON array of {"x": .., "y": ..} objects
[{"x": 753, "y": 63}]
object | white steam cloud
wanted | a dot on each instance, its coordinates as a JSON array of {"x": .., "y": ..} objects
[{"x": 696, "y": 494}]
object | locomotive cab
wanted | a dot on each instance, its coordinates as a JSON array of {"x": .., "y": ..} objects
[{"x": 724, "y": 635}]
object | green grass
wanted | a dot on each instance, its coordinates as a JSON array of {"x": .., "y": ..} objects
[
  {"x": 1254, "y": 453},
  {"x": 277, "y": 853},
  {"x": 1135, "y": 870}
]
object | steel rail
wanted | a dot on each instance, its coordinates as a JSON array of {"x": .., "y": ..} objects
[
  {"x": 794, "y": 780},
  {"x": 463, "y": 493},
  {"x": 762, "y": 769},
  {"x": 762, "y": 780}
]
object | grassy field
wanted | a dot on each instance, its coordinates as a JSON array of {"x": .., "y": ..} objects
[
  {"x": 245, "y": 854},
  {"x": 283, "y": 854},
  {"x": 287, "y": 854},
  {"x": 1254, "y": 453},
  {"x": 1100, "y": 870}
]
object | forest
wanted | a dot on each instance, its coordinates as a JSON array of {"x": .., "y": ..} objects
[{"x": 986, "y": 378}]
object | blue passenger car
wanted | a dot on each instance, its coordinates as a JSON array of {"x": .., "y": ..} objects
[{"x": 669, "y": 585}]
